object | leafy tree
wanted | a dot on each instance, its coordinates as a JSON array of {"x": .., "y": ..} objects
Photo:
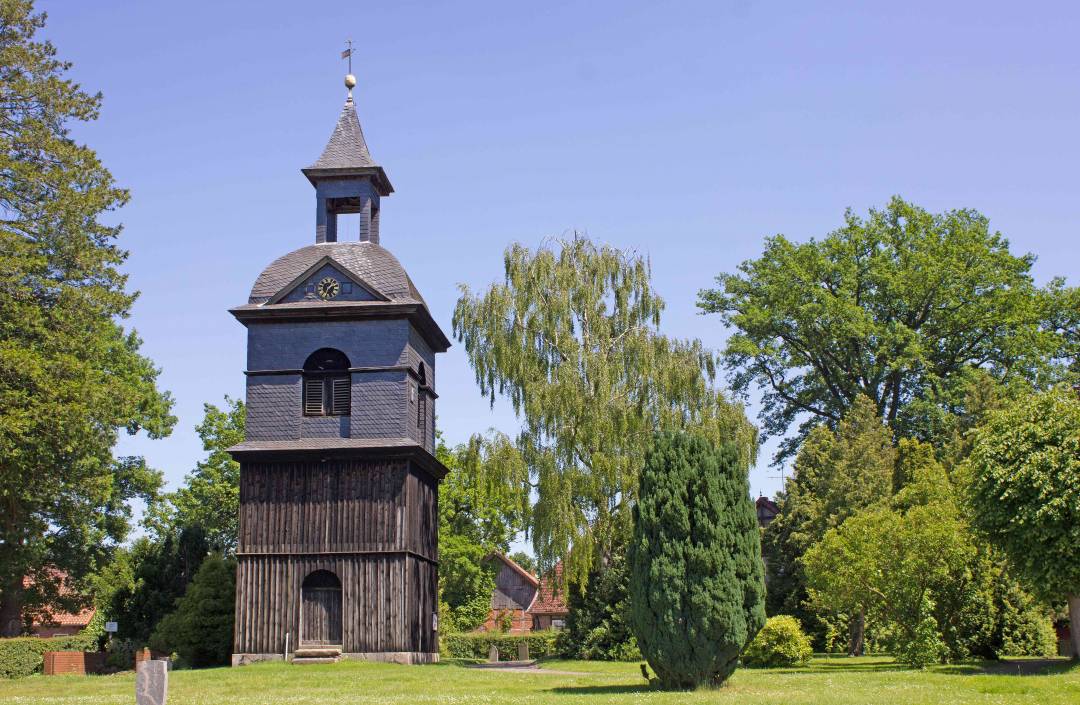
[
  {"x": 200, "y": 630},
  {"x": 887, "y": 563},
  {"x": 899, "y": 307},
  {"x": 571, "y": 336},
  {"x": 837, "y": 473},
  {"x": 1024, "y": 492},
  {"x": 158, "y": 575},
  {"x": 71, "y": 377},
  {"x": 476, "y": 517},
  {"x": 524, "y": 560},
  {"x": 697, "y": 591},
  {"x": 210, "y": 497}
]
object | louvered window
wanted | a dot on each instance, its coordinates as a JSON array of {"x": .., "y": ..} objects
[
  {"x": 339, "y": 396},
  {"x": 327, "y": 384},
  {"x": 313, "y": 396}
]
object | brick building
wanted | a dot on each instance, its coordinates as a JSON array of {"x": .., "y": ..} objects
[{"x": 524, "y": 602}]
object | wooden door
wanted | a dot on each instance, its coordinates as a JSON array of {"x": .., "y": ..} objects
[{"x": 320, "y": 614}]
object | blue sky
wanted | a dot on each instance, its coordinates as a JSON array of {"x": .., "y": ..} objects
[{"x": 688, "y": 131}]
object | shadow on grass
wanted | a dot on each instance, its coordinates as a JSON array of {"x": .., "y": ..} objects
[
  {"x": 1022, "y": 667},
  {"x": 600, "y": 689},
  {"x": 840, "y": 665}
]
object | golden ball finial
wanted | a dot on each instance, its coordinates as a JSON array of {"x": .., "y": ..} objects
[{"x": 350, "y": 81}]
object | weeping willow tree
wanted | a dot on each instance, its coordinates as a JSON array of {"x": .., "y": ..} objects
[{"x": 571, "y": 337}]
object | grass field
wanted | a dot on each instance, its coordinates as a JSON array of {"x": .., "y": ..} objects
[{"x": 838, "y": 680}]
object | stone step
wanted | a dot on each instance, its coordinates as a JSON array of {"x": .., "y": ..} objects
[
  {"x": 308, "y": 660},
  {"x": 318, "y": 652}
]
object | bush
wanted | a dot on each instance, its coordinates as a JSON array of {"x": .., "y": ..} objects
[
  {"x": 24, "y": 655},
  {"x": 781, "y": 642},
  {"x": 476, "y": 645},
  {"x": 697, "y": 589},
  {"x": 201, "y": 628}
]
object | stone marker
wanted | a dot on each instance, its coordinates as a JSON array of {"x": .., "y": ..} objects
[
  {"x": 151, "y": 683},
  {"x": 523, "y": 651},
  {"x": 493, "y": 654}
]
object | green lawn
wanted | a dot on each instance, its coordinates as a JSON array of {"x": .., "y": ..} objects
[{"x": 838, "y": 680}]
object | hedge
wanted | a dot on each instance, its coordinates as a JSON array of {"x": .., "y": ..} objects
[
  {"x": 475, "y": 645},
  {"x": 24, "y": 655}
]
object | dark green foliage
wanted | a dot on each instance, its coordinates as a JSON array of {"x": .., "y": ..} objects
[
  {"x": 697, "y": 590},
  {"x": 781, "y": 643},
  {"x": 201, "y": 628},
  {"x": 23, "y": 656},
  {"x": 160, "y": 574},
  {"x": 476, "y": 645},
  {"x": 1024, "y": 626},
  {"x": 71, "y": 377},
  {"x": 597, "y": 626},
  {"x": 837, "y": 472}
]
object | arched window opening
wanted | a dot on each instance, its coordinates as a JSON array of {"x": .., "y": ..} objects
[{"x": 327, "y": 384}]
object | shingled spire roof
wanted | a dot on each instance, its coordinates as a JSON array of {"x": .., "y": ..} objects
[{"x": 347, "y": 154}]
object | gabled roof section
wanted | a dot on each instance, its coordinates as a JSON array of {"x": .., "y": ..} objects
[
  {"x": 325, "y": 260},
  {"x": 347, "y": 154},
  {"x": 529, "y": 577}
]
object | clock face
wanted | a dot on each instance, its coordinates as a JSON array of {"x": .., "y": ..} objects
[{"x": 328, "y": 288}]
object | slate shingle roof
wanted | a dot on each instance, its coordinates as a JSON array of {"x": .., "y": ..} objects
[
  {"x": 366, "y": 261},
  {"x": 323, "y": 444},
  {"x": 347, "y": 148}
]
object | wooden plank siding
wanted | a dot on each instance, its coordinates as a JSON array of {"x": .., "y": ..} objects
[{"x": 372, "y": 523}]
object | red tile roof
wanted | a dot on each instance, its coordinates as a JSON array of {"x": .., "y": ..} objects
[
  {"x": 50, "y": 618},
  {"x": 551, "y": 595}
]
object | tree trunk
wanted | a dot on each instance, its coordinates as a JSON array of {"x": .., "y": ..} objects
[
  {"x": 856, "y": 629},
  {"x": 1074, "y": 625},
  {"x": 11, "y": 609}
]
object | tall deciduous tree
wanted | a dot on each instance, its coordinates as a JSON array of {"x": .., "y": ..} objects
[
  {"x": 71, "y": 377},
  {"x": 1024, "y": 492},
  {"x": 697, "y": 590},
  {"x": 898, "y": 307},
  {"x": 210, "y": 496},
  {"x": 571, "y": 336}
]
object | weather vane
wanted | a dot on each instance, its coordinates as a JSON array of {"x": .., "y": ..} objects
[{"x": 350, "y": 80}]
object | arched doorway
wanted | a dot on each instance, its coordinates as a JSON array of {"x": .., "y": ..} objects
[{"x": 320, "y": 610}]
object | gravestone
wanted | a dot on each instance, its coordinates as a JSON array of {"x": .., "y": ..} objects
[
  {"x": 493, "y": 654},
  {"x": 523, "y": 651},
  {"x": 151, "y": 683}
]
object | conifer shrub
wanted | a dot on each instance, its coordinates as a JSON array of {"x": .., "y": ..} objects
[
  {"x": 697, "y": 591},
  {"x": 780, "y": 643},
  {"x": 200, "y": 630}
]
